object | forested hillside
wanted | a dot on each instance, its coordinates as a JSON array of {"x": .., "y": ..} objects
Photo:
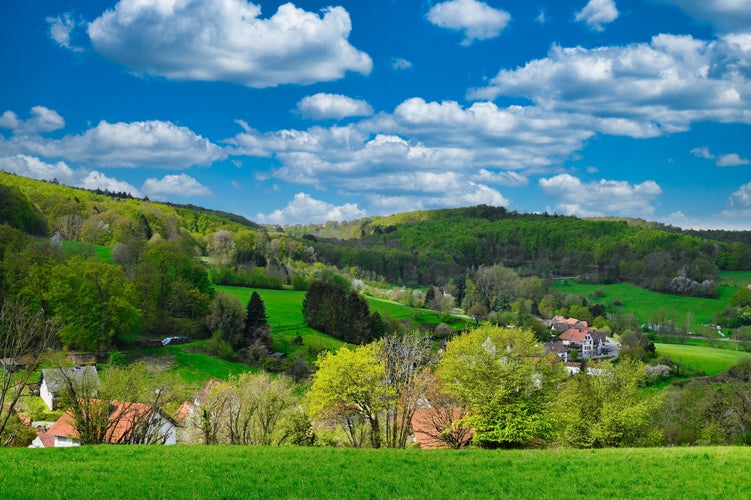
[{"x": 434, "y": 247}]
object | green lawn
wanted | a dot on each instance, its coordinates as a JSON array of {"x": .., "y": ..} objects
[
  {"x": 705, "y": 359},
  {"x": 644, "y": 303},
  {"x": 289, "y": 472}
]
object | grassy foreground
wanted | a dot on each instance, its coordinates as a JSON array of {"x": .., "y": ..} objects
[{"x": 288, "y": 472}]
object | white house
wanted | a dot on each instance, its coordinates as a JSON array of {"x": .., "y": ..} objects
[{"x": 55, "y": 381}]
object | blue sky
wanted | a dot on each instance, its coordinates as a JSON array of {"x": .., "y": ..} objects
[{"x": 312, "y": 111}]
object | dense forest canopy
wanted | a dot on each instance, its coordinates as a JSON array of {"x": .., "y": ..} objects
[{"x": 436, "y": 246}]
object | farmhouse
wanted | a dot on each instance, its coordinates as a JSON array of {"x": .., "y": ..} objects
[
  {"x": 84, "y": 381},
  {"x": 579, "y": 336},
  {"x": 128, "y": 423}
]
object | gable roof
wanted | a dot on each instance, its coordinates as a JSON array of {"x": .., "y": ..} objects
[
  {"x": 125, "y": 417},
  {"x": 575, "y": 334},
  {"x": 83, "y": 377}
]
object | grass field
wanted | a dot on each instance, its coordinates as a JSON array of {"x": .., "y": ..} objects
[
  {"x": 644, "y": 303},
  {"x": 284, "y": 310},
  {"x": 701, "y": 359},
  {"x": 193, "y": 367},
  {"x": 290, "y": 472}
]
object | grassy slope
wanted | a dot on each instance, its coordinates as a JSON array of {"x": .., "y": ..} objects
[
  {"x": 284, "y": 310},
  {"x": 644, "y": 303},
  {"x": 290, "y": 472},
  {"x": 706, "y": 359}
]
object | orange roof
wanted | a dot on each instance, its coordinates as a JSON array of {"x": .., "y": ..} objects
[
  {"x": 424, "y": 429},
  {"x": 124, "y": 416},
  {"x": 184, "y": 411},
  {"x": 575, "y": 334},
  {"x": 47, "y": 439}
]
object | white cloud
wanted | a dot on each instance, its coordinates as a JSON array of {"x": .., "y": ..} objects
[
  {"x": 227, "y": 40},
  {"x": 725, "y": 15},
  {"x": 598, "y": 13},
  {"x": 322, "y": 106},
  {"x": 726, "y": 160},
  {"x": 638, "y": 90},
  {"x": 42, "y": 120},
  {"x": 30, "y": 166},
  {"x": 97, "y": 180},
  {"x": 542, "y": 18},
  {"x": 137, "y": 144},
  {"x": 305, "y": 209},
  {"x": 477, "y": 20},
  {"x": 170, "y": 186},
  {"x": 731, "y": 160},
  {"x": 61, "y": 28},
  {"x": 574, "y": 197},
  {"x": 703, "y": 152},
  {"x": 503, "y": 178},
  {"x": 399, "y": 63},
  {"x": 741, "y": 198}
]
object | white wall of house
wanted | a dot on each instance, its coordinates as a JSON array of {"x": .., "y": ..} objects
[
  {"x": 65, "y": 442},
  {"x": 46, "y": 395}
]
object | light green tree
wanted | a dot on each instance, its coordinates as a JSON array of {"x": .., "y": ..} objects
[
  {"x": 504, "y": 381},
  {"x": 604, "y": 407},
  {"x": 350, "y": 386}
]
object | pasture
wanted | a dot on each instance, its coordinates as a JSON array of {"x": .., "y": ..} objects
[
  {"x": 646, "y": 304},
  {"x": 293, "y": 472},
  {"x": 709, "y": 360}
]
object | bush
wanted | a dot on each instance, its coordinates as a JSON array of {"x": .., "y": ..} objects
[{"x": 217, "y": 346}]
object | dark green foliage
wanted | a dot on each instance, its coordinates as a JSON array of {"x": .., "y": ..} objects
[
  {"x": 433, "y": 247},
  {"x": 17, "y": 211},
  {"x": 256, "y": 323},
  {"x": 342, "y": 314}
]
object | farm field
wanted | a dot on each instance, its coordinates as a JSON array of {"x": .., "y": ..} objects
[
  {"x": 697, "y": 358},
  {"x": 644, "y": 303},
  {"x": 292, "y": 472}
]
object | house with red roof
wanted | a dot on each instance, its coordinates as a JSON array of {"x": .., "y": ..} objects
[{"x": 128, "y": 423}]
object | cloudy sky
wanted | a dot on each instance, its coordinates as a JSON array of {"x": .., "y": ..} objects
[{"x": 314, "y": 111}]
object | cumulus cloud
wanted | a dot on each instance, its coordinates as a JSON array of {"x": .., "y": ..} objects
[
  {"x": 305, "y": 209},
  {"x": 478, "y": 20},
  {"x": 724, "y": 15},
  {"x": 171, "y": 186},
  {"x": 42, "y": 120},
  {"x": 227, "y": 40},
  {"x": 731, "y": 160},
  {"x": 31, "y": 166},
  {"x": 136, "y": 144},
  {"x": 97, "y": 180},
  {"x": 726, "y": 160},
  {"x": 61, "y": 28},
  {"x": 638, "y": 90},
  {"x": 741, "y": 198},
  {"x": 597, "y": 13},
  {"x": 35, "y": 168},
  {"x": 574, "y": 197},
  {"x": 322, "y": 106}
]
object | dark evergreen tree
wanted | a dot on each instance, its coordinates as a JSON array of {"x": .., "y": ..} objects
[
  {"x": 256, "y": 322},
  {"x": 331, "y": 309}
]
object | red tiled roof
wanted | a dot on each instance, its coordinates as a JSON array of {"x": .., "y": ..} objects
[
  {"x": 125, "y": 416},
  {"x": 575, "y": 334},
  {"x": 424, "y": 428},
  {"x": 47, "y": 439}
]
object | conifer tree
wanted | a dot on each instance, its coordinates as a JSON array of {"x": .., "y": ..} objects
[{"x": 256, "y": 322}]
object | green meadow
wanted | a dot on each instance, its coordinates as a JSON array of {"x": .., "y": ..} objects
[
  {"x": 645, "y": 304},
  {"x": 284, "y": 310},
  {"x": 709, "y": 360},
  {"x": 293, "y": 472}
]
